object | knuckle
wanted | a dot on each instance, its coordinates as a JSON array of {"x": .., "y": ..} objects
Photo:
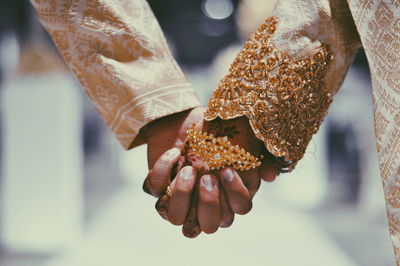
[{"x": 209, "y": 200}]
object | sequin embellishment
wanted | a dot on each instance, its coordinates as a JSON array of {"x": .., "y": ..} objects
[{"x": 284, "y": 99}]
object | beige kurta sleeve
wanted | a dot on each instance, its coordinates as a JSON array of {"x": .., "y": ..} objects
[
  {"x": 116, "y": 50},
  {"x": 378, "y": 23},
  {"x": 286, "y": 75}
]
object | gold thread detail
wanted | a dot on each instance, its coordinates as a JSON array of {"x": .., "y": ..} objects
[{"x": 283, "y": 98}]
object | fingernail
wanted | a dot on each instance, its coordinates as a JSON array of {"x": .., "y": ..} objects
[
  {"x": 207, "y": 182},
  {"x": 228, "y": 175},
  {"x": 187, "y": 173},
  {"x": 173, "y": 153}
]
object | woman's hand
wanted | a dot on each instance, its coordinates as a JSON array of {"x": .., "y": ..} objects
[{"x": 235, "y": 192}]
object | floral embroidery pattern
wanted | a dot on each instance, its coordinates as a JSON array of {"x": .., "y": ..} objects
[{"x": 283, "y": 98}]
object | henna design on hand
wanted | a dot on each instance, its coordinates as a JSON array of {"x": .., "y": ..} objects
[{"x": 222, "y": 128}]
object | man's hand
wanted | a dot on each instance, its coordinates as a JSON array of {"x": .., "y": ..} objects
[
  {"x": 169, "y": 132},
  {"x": 201, "y": 200}
]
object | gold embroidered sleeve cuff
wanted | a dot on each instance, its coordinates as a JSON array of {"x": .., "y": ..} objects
[{"x": 285, "y": 98}]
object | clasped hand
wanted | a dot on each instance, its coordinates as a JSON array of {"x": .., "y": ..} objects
[{"x": 199, "y": 198}]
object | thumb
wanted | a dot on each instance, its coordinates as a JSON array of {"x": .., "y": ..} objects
[{"x": 160, "y": 176}]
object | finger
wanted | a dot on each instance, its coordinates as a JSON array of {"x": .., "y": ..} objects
[
  {"x": 181, "y": 187},
  {"x": 227, "y": 215},
  {"x": 145, "y": 186},
  {"x": 253, "y": 185},
  {"x": 162, "y": 206},
  {"x": 209, "y": 208},
  {"x": 160, "y": 176},
  {"x": 191, "y": 227},
  {"x": 268, "y": 170},
  {"x": 251, "y": 181},
  {"x": 237, "y": 194}
]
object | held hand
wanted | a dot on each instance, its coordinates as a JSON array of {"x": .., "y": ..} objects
[
  {"x": 236, "y": 192},
  {"x": 200, "y": 199},
  {"x": 197, "y": 199},
  {"x": 169, "y": 132}
]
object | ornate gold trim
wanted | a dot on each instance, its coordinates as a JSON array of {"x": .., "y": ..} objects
[{"x": 284, "y": 99}]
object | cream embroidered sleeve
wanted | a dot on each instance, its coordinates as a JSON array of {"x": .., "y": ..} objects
[
  {"x": 284, "y": 78},
  {"x": 118, "y": 53}
]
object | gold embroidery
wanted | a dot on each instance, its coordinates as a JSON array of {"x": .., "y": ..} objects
[{"x": 284, "y": 99}]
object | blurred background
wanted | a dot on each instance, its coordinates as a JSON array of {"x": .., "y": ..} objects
[{"x": 71, "y": 196}]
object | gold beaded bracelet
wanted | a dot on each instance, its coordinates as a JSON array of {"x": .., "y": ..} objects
[{"x": 219, "y": 152}]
